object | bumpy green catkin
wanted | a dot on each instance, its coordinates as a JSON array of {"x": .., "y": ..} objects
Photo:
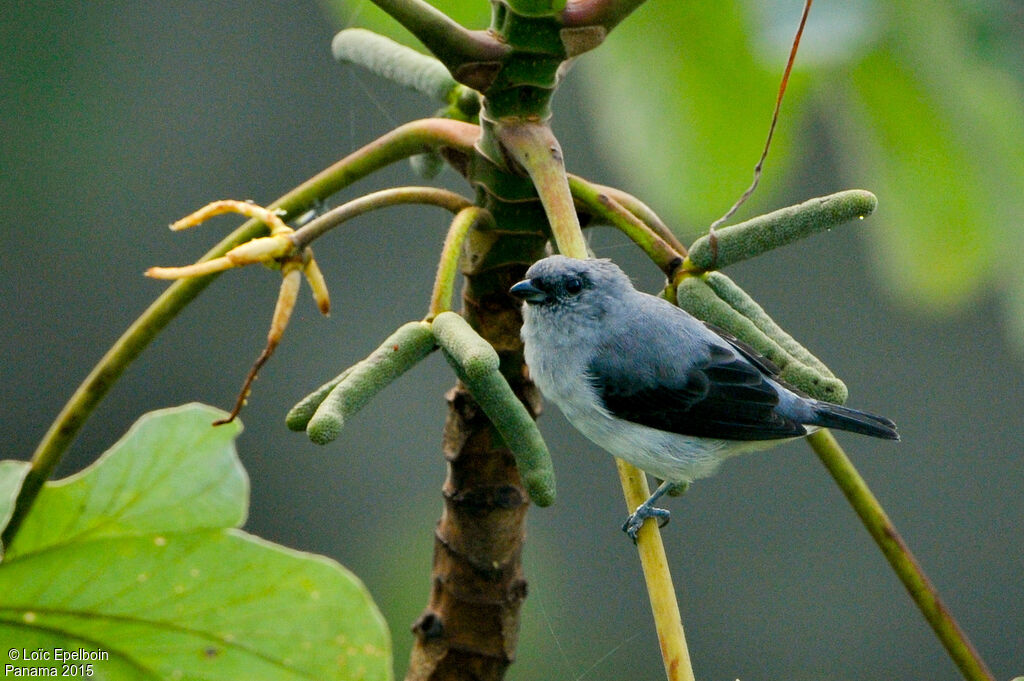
[
  {"x": 299, "y": 415},
  {"x": 765, "y": 232},
  {"x": 476, "y": 363},
  {"x": 696, "y": 297},
  {"x": 740, "y": 300},
  {"x": 811, "y": 376},
  {"x": 396, "y": 355},
  {"x": 396, "y": 62}
]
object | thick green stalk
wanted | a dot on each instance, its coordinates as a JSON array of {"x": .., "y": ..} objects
[
  {"x": 635, "y": 206},
  {"x": 604, "y": 13},
  {"x": 534, "y": 147},
  {"x": 899, "y": 556},
  {"x": 667, "y": 621},
  {"x": 470, "y": 56},
  {"x": 412, "y": 138}
]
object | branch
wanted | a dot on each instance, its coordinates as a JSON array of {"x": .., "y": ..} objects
[
  {"x": 395, "y": 196},
  {"x": 458, "y": 48},
  {"x": 451, "y": 255},
  {"x": 605, "y": 13},
  {"x": 533, "y": 146},
  {"x": 602, "y": 205},
  {"x": 660, "y": 591},
  {"x": 642, "y": 211},
  {"x": 899, "y": 556},
  {"x": 412, "y": 138}
]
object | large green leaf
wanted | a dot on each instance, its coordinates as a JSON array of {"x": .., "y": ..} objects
[
  {"x": 137, "y": 558},
  {"x": 12, "y": 474}
]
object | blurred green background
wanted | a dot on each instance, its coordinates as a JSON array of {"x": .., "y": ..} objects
[{"x": 117, "y": 118}]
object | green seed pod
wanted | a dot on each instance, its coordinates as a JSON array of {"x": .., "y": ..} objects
[
  {"x": 740, "y": 300},
  {"x": 476, "y": 358},
  {"x": 696, "y": 296},
  {"x": 814, "y": 383},
  {"x": 700, "y": 300},
  {"x": 765, "y": 232},
  {"x": 476, "y": 364},
  {"x": 397, "y": 63},
  {"x": 299, "y": 415},
  {"x": 354, "y": 388}
]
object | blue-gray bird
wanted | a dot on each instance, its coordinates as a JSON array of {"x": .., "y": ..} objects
[{"x": 654, "y": 385}]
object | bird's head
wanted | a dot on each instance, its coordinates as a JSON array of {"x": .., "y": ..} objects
[{"x": 558, "y": 283}]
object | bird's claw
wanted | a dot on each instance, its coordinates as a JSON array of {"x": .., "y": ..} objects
[{"x": 636, "y": 519}]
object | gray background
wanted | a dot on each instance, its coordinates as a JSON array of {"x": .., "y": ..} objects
[{"x": 118, "y": 118}]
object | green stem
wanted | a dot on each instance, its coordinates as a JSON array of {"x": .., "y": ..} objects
[
  {"x": 395, "y": 196},
  {"x": 451, "y": 254},
  {"x": 642, "y": 211},
  {"x": 412, "y": 138},
  {"x": 605, "y": 13},
  {"x": 899, "y": 556},
  {"x": 533, "y": 146},
  {"x": 452, "y": 43},
  {"x": 662, "y": 594},
  {"x": 603, "y": 206}
]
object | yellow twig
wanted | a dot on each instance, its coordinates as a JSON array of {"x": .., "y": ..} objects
[{"x": 664, "y": 606}]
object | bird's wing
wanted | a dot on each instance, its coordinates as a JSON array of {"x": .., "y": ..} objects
[{"x": 722, "y": 393}]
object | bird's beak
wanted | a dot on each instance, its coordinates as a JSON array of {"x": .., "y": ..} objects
[{"x": 527, "y": 292}]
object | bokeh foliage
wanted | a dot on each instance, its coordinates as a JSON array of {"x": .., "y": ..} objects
[{"x": 920, "y": 101}]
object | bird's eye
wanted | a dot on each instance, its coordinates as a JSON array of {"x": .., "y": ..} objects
[{"x": 573, "y": 285}]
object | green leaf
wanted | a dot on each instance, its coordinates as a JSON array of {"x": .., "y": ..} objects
[
  {"x": 934, "y": 243},
  {"x": 137, "y": 558},
  {"x": 171, "y": 472},
  {"x": 938, "y": 131},
  {"x": 12, "y": 474},
  {"x": 682, "y": 106}
]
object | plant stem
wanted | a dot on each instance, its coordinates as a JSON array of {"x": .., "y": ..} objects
[
  {"x": 602, "y": 205},
  {"x": 640, "y": 209},
  {"x": 899, "y": 556},
  {"x": 605, "y": 13},
  {"x": 412, "y": 138},
  {"x": 451, "y": 254},
  {"x": 667, "y": 620},
  {"x": 395, "y": 196},
  {"x": 452, "y": 43},
  {"x": 533, "y": 146}
]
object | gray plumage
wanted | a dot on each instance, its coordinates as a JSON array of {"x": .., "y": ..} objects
[{"x": 652, "y": 384}]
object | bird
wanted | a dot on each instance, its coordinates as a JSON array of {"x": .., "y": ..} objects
[{"x": 655, "y": 386}]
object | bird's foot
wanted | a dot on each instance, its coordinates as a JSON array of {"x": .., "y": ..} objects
[{"x": 644, "y": 511}]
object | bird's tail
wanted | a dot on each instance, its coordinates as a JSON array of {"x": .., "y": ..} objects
[{"x": 843, "y": 418}]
